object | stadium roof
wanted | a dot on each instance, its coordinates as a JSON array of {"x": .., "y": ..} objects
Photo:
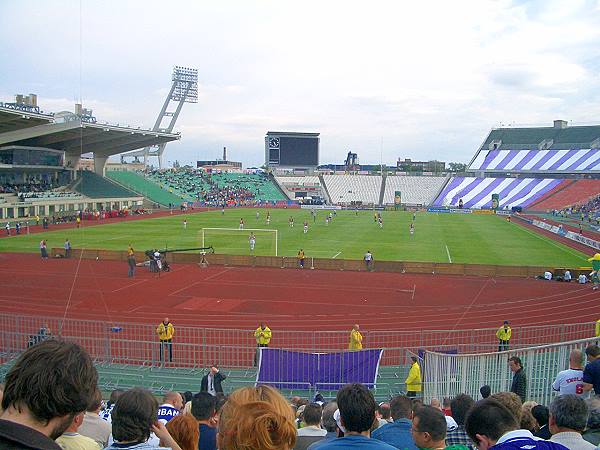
[
  {"x": 12, "y": 120},
  {"x": 73, "y": 135},
  {"x": 563, "y": 137}
]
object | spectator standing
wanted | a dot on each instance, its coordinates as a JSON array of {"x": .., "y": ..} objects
[
  {"x": 43, "y": 249},
  {"x": 134, "y": 419},
  {"x": 485, "y": 391},
  {"x": 504, "y": 334},
  {"x": 211, "y": 382},
  {"x": 47, "y": 386},
  {"x": 355, "y": 339},
  {"x": 106, "y": 413},
  {"x": 328, "y": 423},
  {"x": 204, "y": 409},
  {"x": 429, "y": 429},
  {"x": 72, "y": 440},
  {"x": 541, "y": 414},
  {"x": 413, "y": 381},
  {"x": 591, "y": 373},
  {"x": 398, "y": 433},
  {"x": 263, "y": 338},
  {"x": 356, "y": 417},
  {"x": 491, "y": 425},
  {"x": 184, "y": 430},
  {"x": 93, "y": 426},
  {"x": 570, "y": 381},
  {"x": 165, "y": 332},
  {"x": 311, "y": 431},
  {"x": 519, "y": 381},
  {"x": 67, "y": 248},
  {"x": 171, "y": 406},
  {"x": 460, "y": 406},
  {"x": 568, "y": 418},
  {"x": 592, "y": 432}
]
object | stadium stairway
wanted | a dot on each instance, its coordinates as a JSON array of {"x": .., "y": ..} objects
[
  {"x": 144, "y": 187},
  {"x": 382, "y": 191},
  {"x": 578, "y": 191},
  {"x": 325, "y": 191},
  {"x": 95, "y": 186}
]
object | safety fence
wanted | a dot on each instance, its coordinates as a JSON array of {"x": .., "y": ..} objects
[
  {"x": 447, "y": 375},
  {"x": 136, "y": 343},
  {"x": 283, "y": 262}
]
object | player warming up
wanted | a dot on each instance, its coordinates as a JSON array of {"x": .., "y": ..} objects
[
  {"x": 305, "y": 226},
  {"x": 241, "y": 223},
  {"x": 252, "y": 241}
]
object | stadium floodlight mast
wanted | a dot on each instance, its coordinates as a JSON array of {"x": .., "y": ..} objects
[{"x": 184, "y": 89}]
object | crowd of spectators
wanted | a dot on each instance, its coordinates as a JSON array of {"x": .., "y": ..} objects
[
  {"x": 33, "y": 186},
  {"x": 51, "y": 401}
]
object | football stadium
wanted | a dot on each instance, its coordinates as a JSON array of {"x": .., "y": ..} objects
[{"x": 413, "y": 280}]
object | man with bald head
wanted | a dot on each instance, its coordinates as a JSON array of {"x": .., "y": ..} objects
[
  {"x": 171, "y": 406},
  {"x": 570, "y": 381},
  {"x": 355, "y": 339},
  {"x": 165, "y": 332}
]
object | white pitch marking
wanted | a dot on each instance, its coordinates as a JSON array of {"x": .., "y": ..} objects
[
  {"x": 448, "y": 252},
  {"x": 336, "y": 255}
]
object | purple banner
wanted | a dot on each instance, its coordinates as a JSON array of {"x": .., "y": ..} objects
[{"x": 286, "y": 369}]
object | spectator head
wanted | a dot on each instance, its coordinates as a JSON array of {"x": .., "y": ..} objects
[
  {"x": 487, "y": 421},
  {"x": 485, "y": 391},
  {"x": 114, "y": 396},
  {"x": 460, "y": 406},
  {"x": 514, "y": 362},
  {"x": 356, "y": 327},
  {"x": 133, "y": 416},
  {"x": 592, "y": 352},
  {"x": 567, "y": 413},
  {"x": 357, "y": 408},
  {"x": 401, "y": 407},
  {"x": 184, "y": 430},
  {"x": 414, "y": 359},
  {"x": 173, "y": 398},
  {"x": 384, "y": 410},
  {"x": 328, "y": 421},
  {"x": 576, "y": 359},
  {"x": 95, "y": 402},
  {"x": 528, "y": 405},
  {"x": 541, "y": 413},
  {"x": 187, "y": 396},
  {"x": 246, "y": 423},
  {"x": 429, "y": 427},
  {"x": 435, "y": 403},
  {"x": 312, "y": 414},
  {"x": 49, "y": 384},
  {"x": 204, "y": 406},
  {"x": 593, "y": 422},
  {"x": 446, "y": 403},
  {"x": 528, "y": 422},
  {"x": 511, "y": 401}
]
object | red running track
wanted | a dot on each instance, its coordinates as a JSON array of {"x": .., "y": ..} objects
[{"x": 293, "y": 299}]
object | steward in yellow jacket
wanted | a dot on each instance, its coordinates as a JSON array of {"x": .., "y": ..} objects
[
  {"x": 413, "y": 382},
  {"x": 503, "y": 334},
  {"x": 355, "y": 339},
  {"x": 165, "y": 331},
  {"x": 263, "y": 335}
]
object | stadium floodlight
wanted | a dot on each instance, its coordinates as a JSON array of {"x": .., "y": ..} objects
[{"x": 185, "y": 80}]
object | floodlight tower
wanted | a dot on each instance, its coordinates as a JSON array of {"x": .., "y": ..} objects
[{"x": 183, "y": 90}]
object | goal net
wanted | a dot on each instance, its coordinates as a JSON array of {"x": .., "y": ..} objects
[{"x": 233, "y": 241}]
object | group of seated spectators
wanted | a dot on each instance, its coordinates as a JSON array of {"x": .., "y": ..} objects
[
  {"x": 51, "y": 401},
  {"x": 46, "y": 195},
  {"x": 32, "y": 186}
]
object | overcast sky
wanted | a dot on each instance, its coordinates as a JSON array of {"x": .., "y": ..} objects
[{"x": 385, "y": 79}]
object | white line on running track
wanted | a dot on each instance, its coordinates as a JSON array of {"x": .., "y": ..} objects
[
  {"x": 336, "y": 255},
  {"x": 551, "y": 242},
  {"x": 448, "y": 252}
]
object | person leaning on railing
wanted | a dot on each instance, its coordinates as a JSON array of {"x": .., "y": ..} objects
[
  {"x": 504, "y": 334},
  {"x": 263, "y": 336},
  {"x": 165, "y": 332}
]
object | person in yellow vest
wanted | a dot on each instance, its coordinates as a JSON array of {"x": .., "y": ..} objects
[
  {"x": 503, "y": 334},
  {"x": 263, "y": 338},
  {"x": 355, "y": 339},
  {"x": 414, "y": 384},
  {"x": 598, "y": 328},
  {"x": 165, "y": 332}
]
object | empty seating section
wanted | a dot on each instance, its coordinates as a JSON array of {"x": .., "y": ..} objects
[
  {"x": 576, "y": 192},
  {"x": 291, "y": 184},
  {"x": 185, "y": 184},
  {"x": 147, "y": 188},
  {"x": 344, "y": 189},
  {"x": 261, "y": 186},
  {"x": 95, "y": 186},
  {"x": 415, "y": 190},
  {"x": 477, "y": 192},
  {"x": 573, "y": 160}
]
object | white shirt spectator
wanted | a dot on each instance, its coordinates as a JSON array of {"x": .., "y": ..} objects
[
  {"x": 570, "y": 381},
  {"x": 567, "y": 276},
  {"x": 548, "y": 275},
  {"x": 582, "y": 279}
]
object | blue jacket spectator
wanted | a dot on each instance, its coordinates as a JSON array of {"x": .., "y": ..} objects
[{"x": 398, "y": 433}]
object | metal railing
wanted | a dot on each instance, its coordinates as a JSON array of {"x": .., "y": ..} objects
[
  {"x": 448, "y": 375},
  {"x": 135, "y": 343}
]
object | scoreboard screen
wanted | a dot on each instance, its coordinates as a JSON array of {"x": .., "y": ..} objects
[{"x": 292, "y": 150}]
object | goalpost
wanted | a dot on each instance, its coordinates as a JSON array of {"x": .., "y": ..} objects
[{"x": 241, "y": 236}]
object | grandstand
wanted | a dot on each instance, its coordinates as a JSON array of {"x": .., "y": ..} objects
[
  {"x": 353, "y": 189},
  {"x": 415, "y": 190},
  {"x": 141, "y": 185}
]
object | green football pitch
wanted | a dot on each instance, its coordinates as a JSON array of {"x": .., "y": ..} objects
[{"x": 460, "y": 238}]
